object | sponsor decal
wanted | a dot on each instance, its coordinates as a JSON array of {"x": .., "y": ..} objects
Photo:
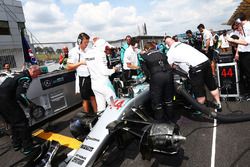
[
  {"x": 78, "y": 159},
  {"x": 88, "y": 148},
  {"x": 47, "y": 83},
  {"x": 90, "y": 59},
  {"x": 56, "y": 80}
]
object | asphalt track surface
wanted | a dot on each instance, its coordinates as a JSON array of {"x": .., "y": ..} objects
[{"x": 208, "y": 144}]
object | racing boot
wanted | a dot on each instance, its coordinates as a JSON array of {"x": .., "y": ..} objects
[
  {"x": 170, "y": 115},
  {"x": 159, "y": 113}
]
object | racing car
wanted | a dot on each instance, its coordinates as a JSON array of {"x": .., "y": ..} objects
[{"x": 127, "y": 117}]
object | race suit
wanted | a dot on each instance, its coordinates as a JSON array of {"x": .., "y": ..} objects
[{"x": 99, "y": 74}]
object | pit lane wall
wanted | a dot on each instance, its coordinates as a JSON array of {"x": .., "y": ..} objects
[{"x": 55, "y": 92}]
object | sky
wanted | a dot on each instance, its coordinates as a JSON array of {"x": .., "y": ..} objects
[{"x": 63, "y": 20}]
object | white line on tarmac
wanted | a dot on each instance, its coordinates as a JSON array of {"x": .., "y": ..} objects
[{"x": 214, "y": 144}]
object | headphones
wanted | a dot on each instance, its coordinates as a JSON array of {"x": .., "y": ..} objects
[
  {"x": 241, "y": 17},
  {"x": 79, "y": 39},
  {"x": 82, "y": 36},
  {"x": 238, "y": 20}
]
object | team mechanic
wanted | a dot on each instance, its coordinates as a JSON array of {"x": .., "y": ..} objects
[
  {"x": 158, "y": 71},
  {"x": 197, "y": 65},
  {"x": 83, "y": 82},
  {"x": 99, "y": 73},
  {"x": 13, "y": 91}
]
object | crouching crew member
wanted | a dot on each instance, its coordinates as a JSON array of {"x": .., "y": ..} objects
[
  {"x": 197, "y": 65},
  {"x": 13, "y": 91},
  {"x": 158, "y": 71}
]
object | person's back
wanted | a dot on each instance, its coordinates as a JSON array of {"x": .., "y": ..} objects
[
  {"x": 13, "y": 92},
  {"x": 197, "y": 65},
  {"x": 9, "y": 87},
  {"x": 156, "y": 61},
  {"x": 158, "y": 71},
  {"x": 97, "y": 65},
  {"x": 185, "y": 55},
  {"x": 18, "y": 83}
]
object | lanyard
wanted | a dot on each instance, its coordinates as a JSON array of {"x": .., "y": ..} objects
[{"x": 177, "y": 45}]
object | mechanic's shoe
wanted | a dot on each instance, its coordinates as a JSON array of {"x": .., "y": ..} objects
[
  {"x": 30, "y": 149},
  {"x": 17, "y": 147},
  {"x": 27, "y": 151},
  {"x": 218, "y": 107}
]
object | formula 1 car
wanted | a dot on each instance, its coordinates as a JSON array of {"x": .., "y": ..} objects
[{"x": 127, "y": 116}]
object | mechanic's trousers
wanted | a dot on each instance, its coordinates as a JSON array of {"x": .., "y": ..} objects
[
  {"x": 14, "y": 115},
  {"x": 161, "y": 88}
]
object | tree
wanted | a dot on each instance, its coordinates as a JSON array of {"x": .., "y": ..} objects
[
  {"x": 46, "y": 50},
  {"x": 38, "y": 49},
  {"x": 51, "y": 50},
  {"x": 58, "y": 51}
]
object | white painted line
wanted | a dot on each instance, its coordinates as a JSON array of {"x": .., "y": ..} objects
[{"x": 214, "y": 144}]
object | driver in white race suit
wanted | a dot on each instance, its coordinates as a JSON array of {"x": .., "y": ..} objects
[{"x": 99, "y": 74}]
